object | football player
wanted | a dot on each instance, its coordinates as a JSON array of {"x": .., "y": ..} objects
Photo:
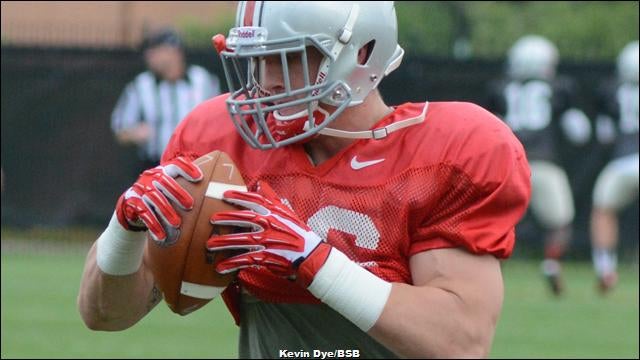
[
  {"x": 370, "y": 227},
  {"x": 617, "y": 184},
  {"x": 540, "y": 109}
]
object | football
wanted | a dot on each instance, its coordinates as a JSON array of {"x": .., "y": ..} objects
[{"x": 185, "y": 271}]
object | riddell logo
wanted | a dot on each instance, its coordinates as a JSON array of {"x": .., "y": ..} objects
[
  {"x": 246, "y": 34},
  {"x": 321, "y": 76}
]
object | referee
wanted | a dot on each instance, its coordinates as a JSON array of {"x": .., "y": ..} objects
[{"x": 152, "y": 105}]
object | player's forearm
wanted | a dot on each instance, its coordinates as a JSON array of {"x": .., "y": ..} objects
[
  {"x": 110, "y": 302},
  {"x": 446, "y": 313},
  {"x": 428, "y": 322}
]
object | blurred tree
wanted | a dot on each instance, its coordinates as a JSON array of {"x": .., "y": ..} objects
[
  {"x": 583, "y": 30},
  {"x": 426, "y": 27},
  {"x": 198, "y": 35}
]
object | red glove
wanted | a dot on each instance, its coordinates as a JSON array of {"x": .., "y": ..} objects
[
  {"x": 145, "y": 206},
  {"x": 278, "y": 239}
]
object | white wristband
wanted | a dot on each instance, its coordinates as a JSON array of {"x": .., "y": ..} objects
[
  {"x": 119, "y": 251},
  {"x": 348, "y": 288}
]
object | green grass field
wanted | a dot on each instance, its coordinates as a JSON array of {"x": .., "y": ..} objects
[{"x": 40, "y": 320}]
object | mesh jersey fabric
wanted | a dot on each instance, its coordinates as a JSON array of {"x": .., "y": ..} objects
[{"x": 458, "y": 179}]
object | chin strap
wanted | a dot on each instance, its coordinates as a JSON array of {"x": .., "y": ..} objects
[{"x": 379, "y": 133}]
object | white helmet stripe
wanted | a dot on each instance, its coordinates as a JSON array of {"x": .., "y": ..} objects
[
  {"x": 249, "y": 14},
  {"x": 240, "y": 12}
]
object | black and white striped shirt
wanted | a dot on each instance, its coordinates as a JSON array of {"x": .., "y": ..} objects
[{"x": 162, "y": 105}]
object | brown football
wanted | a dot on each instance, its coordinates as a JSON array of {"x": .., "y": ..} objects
[{"x": 185, "y": 271}]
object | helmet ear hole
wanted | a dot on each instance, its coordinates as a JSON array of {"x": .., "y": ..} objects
[{"x": 365, "y": 52}]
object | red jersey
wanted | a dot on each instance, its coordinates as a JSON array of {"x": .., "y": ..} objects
[{"x": 458, "y": 179}]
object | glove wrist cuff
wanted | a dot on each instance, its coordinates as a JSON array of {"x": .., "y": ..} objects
[
  {"x": 309, "y": 268},
  {"x": 123, "y": 219}
]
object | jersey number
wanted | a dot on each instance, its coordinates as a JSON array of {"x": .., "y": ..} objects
[
  {"x": 628, "y": 101},
  {"x": 528, "y": 105},
  {"x": 348, "y": 221},
  {"x": 351, "y": 222}
]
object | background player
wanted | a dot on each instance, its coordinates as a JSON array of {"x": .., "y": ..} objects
[
  {"x": 388, "y": 226},
  {"x": 617, "y": 184},
  {"x": 540, "y": 109}
]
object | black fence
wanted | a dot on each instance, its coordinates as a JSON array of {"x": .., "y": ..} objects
[{"x": 63, "y": 167}]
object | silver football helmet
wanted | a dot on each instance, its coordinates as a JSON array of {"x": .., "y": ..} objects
[
  {"x": 286, "y": 31},
  {"x": 532, "y": 57},
  {"x": 628, "y": 63}
]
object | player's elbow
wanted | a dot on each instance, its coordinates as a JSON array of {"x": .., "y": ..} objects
[
  {"x": 92, "y": 319},
  {"x": 97, "y": 319},
  {"x": 98, "y": 323},
  {"x": 466, "y": 341},
  {"x": 475, "y": 341},
  {"x": 93, "y": 323},
  {"x": 470, "y": 345},
  {"x": 476, "y": 349}
]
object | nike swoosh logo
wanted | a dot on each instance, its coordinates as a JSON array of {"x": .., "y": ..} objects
[{"x": 357, "y": 165}]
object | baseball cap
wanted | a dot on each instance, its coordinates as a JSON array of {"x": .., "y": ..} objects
[{"x": 164, "y": 36}]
